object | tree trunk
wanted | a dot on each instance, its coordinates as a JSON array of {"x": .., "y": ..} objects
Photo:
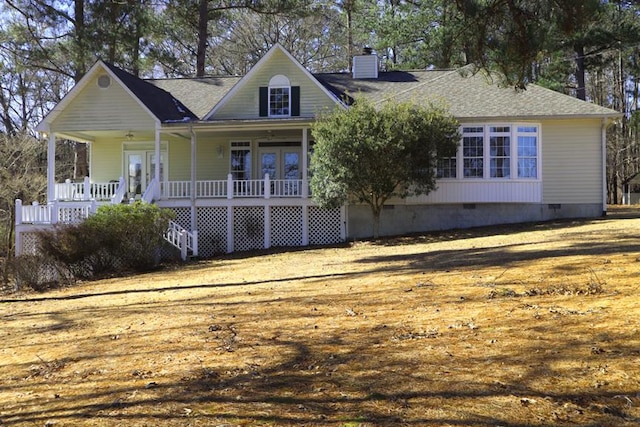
[
  {"x": 81, "y": 166},
  {"x": 581, "y": 91},
  {"x": 376, "y": 211},
  {"x": 203, "y": 23}
]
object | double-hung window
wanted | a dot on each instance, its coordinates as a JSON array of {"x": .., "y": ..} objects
[
  {"x": 473, "y": 152},
  {"x": 527, "y": 151},
  {"x": 500, "y": 152},
  {"x": 240, "y": 157},
  {"x": 279, "y": 102}
]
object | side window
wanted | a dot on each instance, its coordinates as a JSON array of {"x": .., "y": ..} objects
[
  {"x": 500, "y": 152},
  {"x": 527, "y": 151},
  {"x": 473, "y": 152},
  {"x": 240, "y": 158}
]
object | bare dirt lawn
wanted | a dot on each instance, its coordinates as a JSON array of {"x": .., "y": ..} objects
[{"x": 530, "y": 325}]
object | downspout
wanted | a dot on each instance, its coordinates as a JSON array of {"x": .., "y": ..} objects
[{"x": 604, "y": 166}]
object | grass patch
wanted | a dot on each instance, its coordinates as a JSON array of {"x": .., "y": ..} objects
[{"x": 535, "y": 325}]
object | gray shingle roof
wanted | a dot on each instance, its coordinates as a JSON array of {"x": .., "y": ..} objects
[
  {"x": 198, "y": 94},
  {"x": 467, "y": 97},
  {"x": 165, "y": 106}
]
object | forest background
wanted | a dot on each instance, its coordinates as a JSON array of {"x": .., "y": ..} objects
[{"x": 589, "y": 49}]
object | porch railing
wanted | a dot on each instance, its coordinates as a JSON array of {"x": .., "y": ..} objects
[
  {"x": 230, "y": 188},
  {"x": 87, "y": 190},
  {"x": 54, "y": 212}
]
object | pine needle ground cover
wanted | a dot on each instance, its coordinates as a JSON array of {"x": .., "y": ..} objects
[{"x": 530, "y": 325}]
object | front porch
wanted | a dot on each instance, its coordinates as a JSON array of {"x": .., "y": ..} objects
[{"x": 220, "y": 216}]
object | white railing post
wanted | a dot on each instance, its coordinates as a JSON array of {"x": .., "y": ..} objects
[
  {"x": 87, "y": 189},
  {"x": 68, "y": 191},
  {"x": 183, "y": 245},
  {"x": 194, "y": 249},
  {"x": 18, "y": 218},
  {"x": 94, "y": 207},
  {"x": 267, "y": 186},
  {"x": 53, "y": 212},
  {"x": 229, "y": 186}
]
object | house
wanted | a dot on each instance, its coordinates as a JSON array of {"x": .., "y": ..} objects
[{"x": 230, "y": 155}]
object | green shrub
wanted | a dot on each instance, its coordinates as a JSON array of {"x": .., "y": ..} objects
[{"x": 116, "y": 239}]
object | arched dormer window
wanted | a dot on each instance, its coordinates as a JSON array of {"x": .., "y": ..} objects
[
  {"x": 279, "y": 96},
  {"x": 279, "y": 99}
]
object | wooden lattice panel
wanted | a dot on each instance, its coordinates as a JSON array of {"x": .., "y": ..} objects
[
  {"x": 29, "y": 243},
  {"x": 212, "y": 231},
  {"x": 72, "y": 215},
  {"x": 248, "y": 228},
  {"x": 324, "y": 226},
  {"x": 286, "y": 226},
  {"x": 183, "y": 217}
]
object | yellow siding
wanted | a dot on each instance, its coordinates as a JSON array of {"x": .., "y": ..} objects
[
  {"x": 209, "y": 165},
  {"x": 571, "y": 161},
  {"x": 96, "y": 109},
  {"x": 244, "y": 103},
  {"x": 106, "y": 160}
]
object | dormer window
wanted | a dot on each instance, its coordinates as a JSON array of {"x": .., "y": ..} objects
[
  {"x": 279, "y": 99},
  {"x": 279, "y": 96}
]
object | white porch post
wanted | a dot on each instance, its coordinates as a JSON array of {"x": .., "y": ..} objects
[
  {"x": 230, "y": 243},
  {"x": 305, "y": 162},
  {"x": 267, "y": 226},
  {"x": 194, "y": 217},
  {"x": 305, "y": 186},
  {"x": 305, "y": 225},
  {"x": 51, "y": 167},
  {"x": 157, "y": 153}
]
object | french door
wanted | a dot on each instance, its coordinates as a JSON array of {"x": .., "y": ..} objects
[
  {"x": 283, "y": 165},
  {"x": 140, "y": 169}
]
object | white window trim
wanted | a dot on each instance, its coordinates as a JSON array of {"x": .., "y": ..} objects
[
  {"x": 269, "y": 101},
  {"x": 235, "y": 145},
  {"x": 513, "y": 152}
]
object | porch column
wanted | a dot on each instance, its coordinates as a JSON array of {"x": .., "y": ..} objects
[
  {"x": 157, "y": 167},
  {"x": 194, "y": 216},
  {"x": 305, "y": 162},
  {"x": 51, "y": 167}
]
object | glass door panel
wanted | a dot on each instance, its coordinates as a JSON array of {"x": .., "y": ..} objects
[
  {"x": 151, "y": 161},
  {"x": 134, "y": 174},
  {"x": 269, "y": 165},
  {"x": 140, "y": 168}
]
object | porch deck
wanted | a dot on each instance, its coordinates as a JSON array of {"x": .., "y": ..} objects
[{"x": 219, "y": 216}]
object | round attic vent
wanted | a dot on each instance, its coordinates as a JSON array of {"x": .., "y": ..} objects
[{"x": 104, "y": 81}]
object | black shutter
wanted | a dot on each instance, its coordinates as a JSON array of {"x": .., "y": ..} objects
[
  {"x": 264, "y": 101},
  {"x": 295, "y": 100}
]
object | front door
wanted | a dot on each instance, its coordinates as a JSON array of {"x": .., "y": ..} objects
[
  {"x": 282, "y": 164},
  {"x": 140, "y": 169}
]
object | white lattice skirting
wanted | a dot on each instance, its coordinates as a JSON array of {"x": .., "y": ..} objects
[
  {"x": 257, "y": 227},
  {"x": 224, "y": 229}
]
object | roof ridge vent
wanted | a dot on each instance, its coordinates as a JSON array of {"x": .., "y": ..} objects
[{"x": 365, "y": 66}]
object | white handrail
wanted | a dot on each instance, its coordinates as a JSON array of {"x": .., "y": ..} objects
[
  {"x": 120, "y": 192},
  {"x": 152, "y": 191},
  {"x": 182, "y": 239}
]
